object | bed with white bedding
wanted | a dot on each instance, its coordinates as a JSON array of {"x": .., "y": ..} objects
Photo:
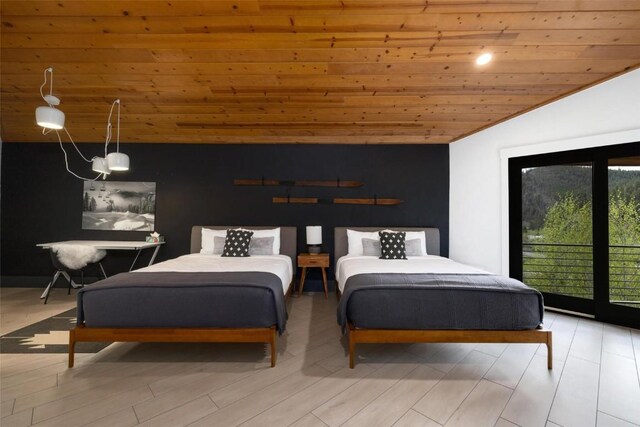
[
  {"x": 350, "y": 265},
  {"x": 278, "y": 264},
  {"x": 197, "y": 297},
  {"x": 428, "y": 298}
]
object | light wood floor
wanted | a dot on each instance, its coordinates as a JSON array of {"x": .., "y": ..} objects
[{"x": 595, "y": 380}]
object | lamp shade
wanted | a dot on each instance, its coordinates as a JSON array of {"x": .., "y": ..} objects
[
  {"x": 118, "y": 161},
  {"x": 314, "y": 235},
  {"x": 100, "y": 165},
  {"x": 49, "y": 118}
]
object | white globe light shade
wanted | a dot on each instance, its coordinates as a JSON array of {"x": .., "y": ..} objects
[
  {"x": 49, "y": 118},
  {"x": 118, "y": 161},
  {"x": 100, "y": 165}
]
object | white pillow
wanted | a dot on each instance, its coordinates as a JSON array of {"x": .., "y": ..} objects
[
  {"x": 207, "y": 241},
  {"x": 354, "y": 238},
  {"x": 274, "y": 232}
]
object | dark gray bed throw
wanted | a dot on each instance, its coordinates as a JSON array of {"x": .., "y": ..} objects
[
  {"x": 439, "y": 301},
  {"x": 189, "y": 300}
]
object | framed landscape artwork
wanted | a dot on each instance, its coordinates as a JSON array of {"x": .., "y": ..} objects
[{"x": 119, "y": 205}]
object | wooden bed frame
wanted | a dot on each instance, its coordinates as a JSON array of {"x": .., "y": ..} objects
[
  {"x": 81, "y": 333},
  {"x": 378, "y": 336},
  {"x": 356, "y": 335},
  {"x": 258, "y": 335}
]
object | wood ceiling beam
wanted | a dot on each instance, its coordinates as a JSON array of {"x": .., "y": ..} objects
[
  {"x": 335, "y": 24},
  {"x": 334, "y": 55},
  {"x": 318, "y": 7}
]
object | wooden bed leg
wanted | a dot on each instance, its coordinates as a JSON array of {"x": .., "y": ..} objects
[
  {"x": 549, "y": 351},
  {"x": 72, "y": 346},
  {"x": 273, "y": 347},
  {"x": 352, "y": 348}
]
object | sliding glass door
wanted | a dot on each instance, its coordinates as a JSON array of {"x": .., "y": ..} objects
[
  {"x": 574, "y": 221},
  {"x": 556, "y": 230},
  {"x": 623, "y": 186}
]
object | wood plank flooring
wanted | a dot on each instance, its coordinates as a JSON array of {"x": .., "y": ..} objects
[{"x": 595, "y": 380}]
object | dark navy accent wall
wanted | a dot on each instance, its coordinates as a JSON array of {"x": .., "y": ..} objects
[{"x": 41, "y": 202}]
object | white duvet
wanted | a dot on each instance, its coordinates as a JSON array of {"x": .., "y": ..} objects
[
  {"x": 280, "y": 265},
  {"x": 350, "y": 265}
]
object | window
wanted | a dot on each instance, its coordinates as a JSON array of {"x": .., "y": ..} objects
[{"x": 574, "y": 227}]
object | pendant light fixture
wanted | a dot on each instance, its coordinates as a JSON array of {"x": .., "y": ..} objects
[
  {"x": 115, "y": 161},
  {"x": 51, "y": 118},
  {"x": 99, "y": 164}
]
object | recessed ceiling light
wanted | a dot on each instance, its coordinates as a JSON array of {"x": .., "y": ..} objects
[{"x": 484, "y": 59}]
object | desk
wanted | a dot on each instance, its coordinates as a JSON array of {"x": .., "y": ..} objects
[
  {"x": 112, "y": 245},
  {"x": 109, "y": 245}
]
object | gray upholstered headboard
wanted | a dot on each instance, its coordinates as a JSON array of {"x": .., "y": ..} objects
[
  {"x": 341, "y": 244},
  {"x": 288, "y": 238}
]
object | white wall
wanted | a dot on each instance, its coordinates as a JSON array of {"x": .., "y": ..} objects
[{"x": 605, "y": 114}]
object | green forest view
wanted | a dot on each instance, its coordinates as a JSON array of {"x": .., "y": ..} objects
[{"x": 557, "y": 232}]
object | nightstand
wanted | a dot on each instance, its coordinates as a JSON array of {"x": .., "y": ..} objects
[{"x": 305, "y": 261}]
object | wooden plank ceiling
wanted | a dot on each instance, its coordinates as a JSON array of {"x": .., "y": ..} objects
[{"x": 316, "y": 71}]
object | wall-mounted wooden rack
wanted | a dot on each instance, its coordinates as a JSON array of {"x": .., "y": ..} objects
[
  {"x": 339, "y": 201},
  {"x": 337, "y": 183}
]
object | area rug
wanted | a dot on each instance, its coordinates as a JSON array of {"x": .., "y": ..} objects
[{"x": 47, "y": 336}]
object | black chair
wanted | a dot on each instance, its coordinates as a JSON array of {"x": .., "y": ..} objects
[{"x": 68, "y": 263}]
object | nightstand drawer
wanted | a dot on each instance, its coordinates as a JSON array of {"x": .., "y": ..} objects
[
  {"x": 313, "y": 260},
  {"x": 316, "y": 262}
]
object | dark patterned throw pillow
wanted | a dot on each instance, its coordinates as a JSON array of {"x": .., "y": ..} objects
[
  {"x": 392, "y": 245},
  {"x": 237, "y": 243}
]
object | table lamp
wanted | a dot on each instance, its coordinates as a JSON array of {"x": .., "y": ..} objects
[{"x": 314, "y": 238}]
